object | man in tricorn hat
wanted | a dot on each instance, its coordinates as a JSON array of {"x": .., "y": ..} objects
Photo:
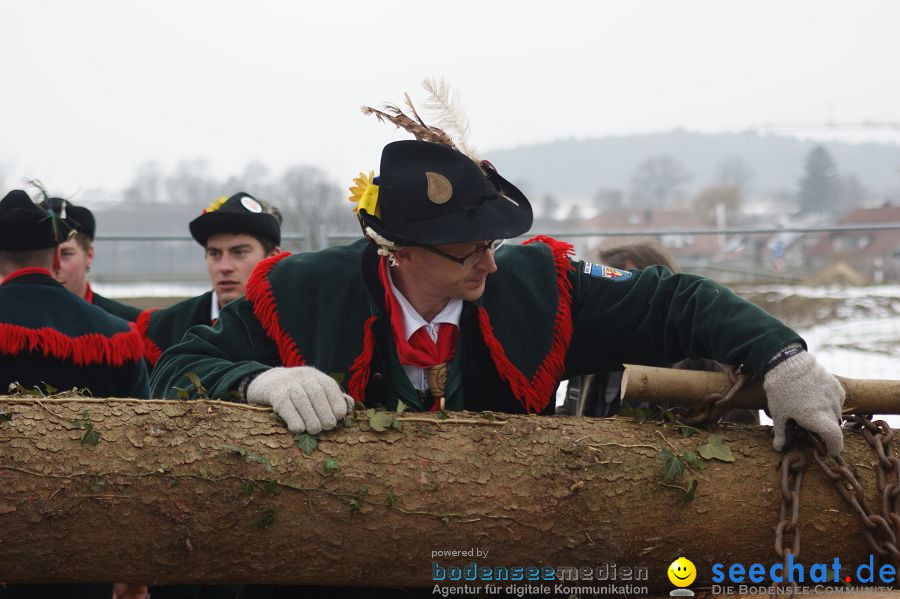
[
  {"x": 51, "y": 339},
  {"x": 431, "y": 311},
  {"x": 47, "y": 335},
  {"x": 77, "y": 255},
  {"x": 236, "y": 234}
]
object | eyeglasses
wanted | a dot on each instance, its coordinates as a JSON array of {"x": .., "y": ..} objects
[{"x": 471, "y": 258}]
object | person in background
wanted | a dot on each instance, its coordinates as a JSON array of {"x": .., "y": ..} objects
[
  {"x": 598, "y": 394},
  {"x": 236, "y": 234},
  {"x": 51, "y": 339},
  {"x": 77, "y": 255}
]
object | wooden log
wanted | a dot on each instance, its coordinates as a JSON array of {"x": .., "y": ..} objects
[
  {"x": 687, "y": 387},
  {"x": 214, "y": 492}
]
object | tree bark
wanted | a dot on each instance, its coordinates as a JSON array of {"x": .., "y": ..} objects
[{"x": 212, "y": 492}]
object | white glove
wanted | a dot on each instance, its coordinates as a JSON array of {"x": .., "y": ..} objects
[
  {"x": 801, "y": 390},
  {"x": 307, "y": 399}
]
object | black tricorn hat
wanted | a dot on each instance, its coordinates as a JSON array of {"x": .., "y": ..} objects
[
  {"x": 25, "y": 226},
  {"x": 241, "y": 213},
  {"x": 80, "y": 218},
  {"x": 431, "y": 194}
]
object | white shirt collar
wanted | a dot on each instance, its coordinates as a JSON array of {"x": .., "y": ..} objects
[
  {"x": 413, "y": 321},
  {"x": 214, "y": 309}
]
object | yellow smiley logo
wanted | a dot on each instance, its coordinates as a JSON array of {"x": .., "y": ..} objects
[{"x": 682, "y": 572}]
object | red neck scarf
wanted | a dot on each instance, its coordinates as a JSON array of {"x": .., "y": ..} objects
[
  {"x": 419, "y": 350},
  {"x": 88, "y": 293}
]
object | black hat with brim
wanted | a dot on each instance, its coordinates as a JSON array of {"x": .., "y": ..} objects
[
  {"x": 241, "y": 213},
  {"x": 430, "y": 194},
  {"x": 79, "y": 217},
  {"x": 24, "y": 226}
]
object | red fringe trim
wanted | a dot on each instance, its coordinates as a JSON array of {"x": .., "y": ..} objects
[
  {"x": 259, "y": 293},
  {"x": 84, "y": 350},
  {"x": 360, "y": 370},
  {"x": 534, "y": 394},
  {"x": 152, "y": 352}
]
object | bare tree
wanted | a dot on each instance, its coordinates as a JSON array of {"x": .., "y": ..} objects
[
  {"x": 734, "y": 173},
  {"x": 148, "y": 185},
  {"x": 191, "y": 183},
  {"x": 312, "y": 205},
  {"x": 658, "y": 182}
]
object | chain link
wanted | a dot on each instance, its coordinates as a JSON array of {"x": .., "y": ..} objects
[
  {"x": 791, "y": 468},
  {"x": 874, "y": 526},
  {"x": 715, "y": 405}
]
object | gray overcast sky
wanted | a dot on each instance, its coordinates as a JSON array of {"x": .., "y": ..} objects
[{"x": 93, "y": 88}]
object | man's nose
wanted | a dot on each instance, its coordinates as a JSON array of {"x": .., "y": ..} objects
[{"x": 487, "y": 262}]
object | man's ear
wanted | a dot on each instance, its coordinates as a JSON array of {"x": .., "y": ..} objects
[
  {"x": 402, "y": 255},
  {"x": 275, "y": 250}
]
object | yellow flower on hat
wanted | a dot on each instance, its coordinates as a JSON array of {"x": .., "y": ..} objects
[
  {"x": 216, "y": 204},
  {"x": 365, "y": 194}
]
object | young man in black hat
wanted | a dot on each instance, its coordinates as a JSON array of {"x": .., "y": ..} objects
[
  {"x": 50, "y": 338},
  {"x": 77, "y": 255},
  {"x": 429, "y": 311},
  {"x": 236, "y": 234},
  {"x": 47, "y": 335}
]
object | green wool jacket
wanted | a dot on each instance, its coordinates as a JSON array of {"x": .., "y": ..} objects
[
  {"x": 542, "y": 318},
  {"x": 161, "y": 329},
  {"x": 123, "y": 311},
  {"x": 49, "y": 336}
]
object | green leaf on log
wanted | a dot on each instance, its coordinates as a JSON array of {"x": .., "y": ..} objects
[
  {"x": 306, "y": 442},
  {"x": 716, "y": 449},
  {"x": 381, "y": 421}
]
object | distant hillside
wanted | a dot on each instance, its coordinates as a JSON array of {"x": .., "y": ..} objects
[{"x": 578, "y": 168}]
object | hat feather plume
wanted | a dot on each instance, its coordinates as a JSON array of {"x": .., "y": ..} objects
[
  {"x": 420, "y": 130},
  {"x": 447, "y": 108}
]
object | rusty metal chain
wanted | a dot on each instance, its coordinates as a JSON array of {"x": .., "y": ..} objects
[
  {"x": 715, "y": 405},
  {"x": 791, "y": 468},
  {"x": 885, "y": 526},
  {"x": 881, "y": 531}
]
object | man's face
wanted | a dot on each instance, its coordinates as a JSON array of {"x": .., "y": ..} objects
[
  {"x": 73, "y": 266},
  {"x": 230, "y": 258},
  {"x": 439, "y": 277}
]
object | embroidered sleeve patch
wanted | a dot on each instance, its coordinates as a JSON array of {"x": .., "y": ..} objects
[{"x": 607, "y": 272}]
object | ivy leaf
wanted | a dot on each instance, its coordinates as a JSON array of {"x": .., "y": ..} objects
[
  {"x": 673, "y": 467},
  {"x": 687, "y": 431},
  {"x": 401, "y": 407},
  {"x": 306, "y": 442},
  {"x": 397, "y": 424},
  {"x": 690, "y": 458},
  {"x": 246, "y": 488},
  {"x": 691, "y": 492},
  {"x": 183, "y": 394},
  {"x": 716, "y": 449},
  {"x": 4, "y": 417},
  {"x": 198, "y": 386},
  {"x": 381, "y": 421},
  {"x": 91, "y": 436},
  {"x": 331, "y": 465},
  {"x": 348, "y": 421},
  {"x": 266, "y": 518},
  {"x": 50, "y": 388}
]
